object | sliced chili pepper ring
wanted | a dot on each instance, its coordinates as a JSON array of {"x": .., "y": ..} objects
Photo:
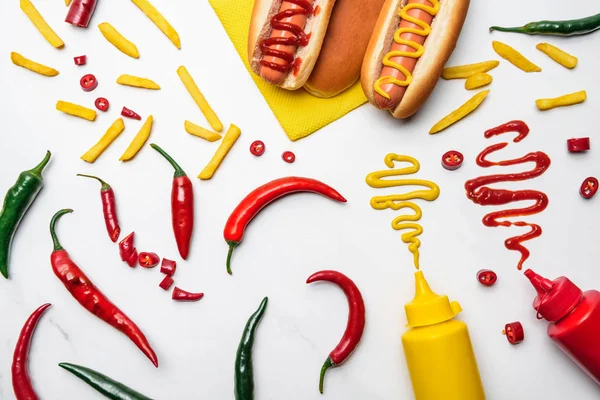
[
  {"x": 487, "y": 277},
  {"x": 452, "y": 160},
  {"x": 168, "y": 267},
  {"x": 257, "y": 148},
  {"x": 166, "y": 283},
  {"x": 80, "y": 60},
  {"x": 148, "y": 260},
  {"x": 589, "y": 187},
  {"x": 514, "y": 332},
  {"x": 126, "y": 246},
  {"x": 88, "y": 83},
  {"x": 578, "y": 145},
  {"x": 102, "y": 104},
  {"x": 288, "y": 157}
]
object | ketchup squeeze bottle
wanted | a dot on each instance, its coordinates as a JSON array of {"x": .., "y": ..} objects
[{"x": 574, "y": 318}]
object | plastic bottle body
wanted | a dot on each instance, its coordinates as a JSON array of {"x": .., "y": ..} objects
[
  {"x": 441, "y": 362},
  {"x": 578, "y": 334}
]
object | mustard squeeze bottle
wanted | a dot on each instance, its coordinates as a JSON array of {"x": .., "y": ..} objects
[{"x": 438, "y": 350}]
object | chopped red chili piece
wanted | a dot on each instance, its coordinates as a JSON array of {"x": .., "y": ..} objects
[
  {"x": 452, "y": 160},
  {"x": 514, "y": 332},
  {"x": 288, "y": 157},
  {"x": 80, "y": 60},
  {"x": 166, "y": 283},
  {"x": 88, "y": 83},
  {"x": 577, "y": 145},
  {"x": 133, "y": 259},
  {"x": 126, "y": 247},
  {"x": 257, "y": 148},
  {"x": 168, "y": 267},
  {"x": 102, "y": 104},
  {"x": 487, "y": 277},
  {"x": 148, "y": 260},
  {"x": 126, "y": 112},
  {"x": 589, "y": 187},
  {"x": 182, "y": 295}
]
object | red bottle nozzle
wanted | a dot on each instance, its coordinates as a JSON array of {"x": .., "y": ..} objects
[
  {"x": 542, "y": 285},
  {"x": 556, "y": 298}
]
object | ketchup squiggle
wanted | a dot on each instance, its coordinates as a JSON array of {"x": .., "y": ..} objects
[{"x": 480, "y": 193}]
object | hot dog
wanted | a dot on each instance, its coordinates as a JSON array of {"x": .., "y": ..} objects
[
  {"x": 303, "y": 43},
  {"x": 411, "y": 43}
]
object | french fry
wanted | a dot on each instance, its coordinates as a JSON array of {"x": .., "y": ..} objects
[
  {"x": 139, "y": 140},
  {"x": 562, "y": 57},
  {"x": 134, "y": 81},
  {"x": 478, "y": 80},
  {"x": 111, "y": 134},
  {"x": 76, "y": 110},
  {"x": 461, "y": 112},
  {"x": 232, "y": 135},
  {"x": 562, "y": 101},
  {"x": 68, "y": 2},
  {"x": 468, "y": 70},
  {"x": 199, "y": 131},
  {"x": 160, "y": 21},
  {"x": 41, "y": 69},
  {"x": 514, "y": 57},
  {"x": 119, "y": 41},
  {"x": 196, "y": 94},
  {"x": 41, "y": 25}
]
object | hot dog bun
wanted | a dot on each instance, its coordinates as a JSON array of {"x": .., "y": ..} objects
[{"x": 439, "y": 45}]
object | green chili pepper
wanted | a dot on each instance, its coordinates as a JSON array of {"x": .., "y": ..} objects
[
  {"x": 580, "y": 26},
  {"x": 110, "y": 388},
  {"x": 244, "y": 373},
  {"x": 16, "y": 203}
]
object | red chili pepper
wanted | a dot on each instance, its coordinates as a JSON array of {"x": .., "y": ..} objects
[
  {"x": 262, "y": 196},
  {"x": 109, "y": 208},
  {"x": 577, "y": 145},
  {"x": 88, "y": 83},
  {"x": 132, "y": 261},
  {"x": 257, "y": 148},
  {"x": 356, "y": 319},
  {"x": 20, "y": 372},
  {"x": 182, "y": 295},
  {"x": 288, "y": 157},
  {"x": 166, "y": 283},
  {"x": 80, "y": 12},
  {"x": 514, "y": 332},
  {"x": 589, "y": 187},
  {"x": 90, "y": 297},
  {"x": 102, "y": 104},
  {"x": 126, "y": 112},
  {"x": 168, "y": 267},
  {"x": 182, "y": 205},
  {"x": 80, "y": 60},
  {"x": 452, "y": 160},
  {"x": 126, "y": 247},
  {"x": 149, "y": 260},
  {"x": 487, "y": 277}
]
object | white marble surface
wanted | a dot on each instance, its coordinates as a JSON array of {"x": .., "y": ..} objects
[{"x": 196, "y": 343}]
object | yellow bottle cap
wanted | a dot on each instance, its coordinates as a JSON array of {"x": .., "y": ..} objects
[{"x": 429, "y": 308}]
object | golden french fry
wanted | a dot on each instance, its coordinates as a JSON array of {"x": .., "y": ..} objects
[
  {"x": 196, "y": 94},
  {"x": 76, "y": 110},
  {"x": 111, "y": 134},
  {"x": 119, "y": 41},
  {"x": 514, "y": 57},
  {"x": 562, "y": 57},
  {"x": 160, "y": 21},
  {"x": 460, "y": 112},
  {"x": 199, "y": 131},
  {"x": 562, "y": 101},
  {"x": 130, "y": 80},
  {"x": 41, "y": 25},
  {"x": 139, "y": 140},
  {"x": 468, "y": 70},
  {"x": 232, "y": 135},
  {"x": 478, "y": 80},
  {"x": 68, "y": 2},
  {"x": 41, "y": 69}
]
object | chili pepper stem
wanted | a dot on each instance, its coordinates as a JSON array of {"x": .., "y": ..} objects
[
  {"x": 178, "y": 170},
  {"x": 328, "y": 364},
  {"x": 55, "y": 218},
  {"x": 105, "y": 186},
  {"x": 232, "y": 245},
  {"x": 37, "y": 170},
  {"x": 519, "y": 29}
]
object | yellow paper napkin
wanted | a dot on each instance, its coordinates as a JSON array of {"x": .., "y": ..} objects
[{"x": 298, "y": 112}]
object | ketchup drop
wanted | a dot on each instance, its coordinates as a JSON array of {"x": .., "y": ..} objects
[
  {"x": 288, "y": 157},
  {"x": 257, "y": 148}
]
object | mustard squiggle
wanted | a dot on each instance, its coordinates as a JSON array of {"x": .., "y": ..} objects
[
  {"x": 425, "y": 30},
  {"x": 400, "y": 201}
]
